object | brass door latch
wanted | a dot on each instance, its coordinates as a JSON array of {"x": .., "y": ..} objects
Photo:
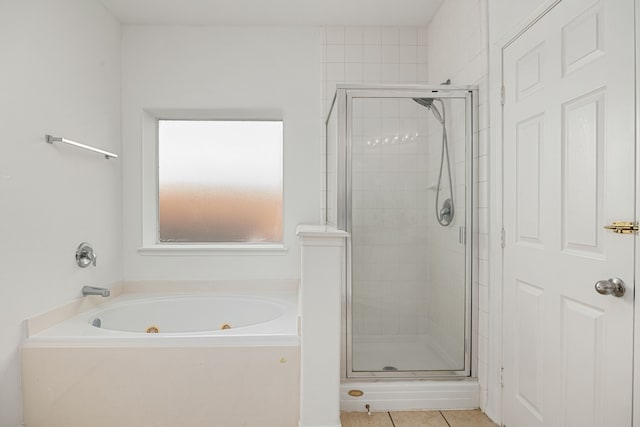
[{"x": 623, "y": 227}]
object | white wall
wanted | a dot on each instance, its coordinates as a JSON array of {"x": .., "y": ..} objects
[
  {"x": 506, "y": 16},
  {"x": 458, "y": 49},
  {"x": 225, "y": 69},
  {"x": 60, "y": 74}
]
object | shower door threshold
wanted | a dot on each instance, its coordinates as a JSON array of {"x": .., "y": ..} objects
[{"x": 410, "y": 395}]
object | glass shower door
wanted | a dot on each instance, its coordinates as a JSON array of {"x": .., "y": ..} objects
[{"x": 409, "y": 290}]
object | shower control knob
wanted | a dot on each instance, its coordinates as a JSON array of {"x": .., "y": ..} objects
[
  {"x": 85, "y": 256},
  {"x": 613, "y": 286}
]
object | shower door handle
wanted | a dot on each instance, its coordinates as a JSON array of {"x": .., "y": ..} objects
[{"x": 613, "y": 286}]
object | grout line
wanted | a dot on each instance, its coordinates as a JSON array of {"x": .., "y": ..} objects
[
  {"x": 445, "y": 419},
  {"x": 391, "y": 418}
]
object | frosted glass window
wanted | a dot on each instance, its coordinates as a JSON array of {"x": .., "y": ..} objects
[{"x": 220, "y": 181}]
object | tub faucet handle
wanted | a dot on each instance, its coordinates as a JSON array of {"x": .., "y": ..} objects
[{"x": 85, "y": 255}]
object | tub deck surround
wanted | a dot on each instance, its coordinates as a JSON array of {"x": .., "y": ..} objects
[
  {"x": 42, "y": 321},
  {"x": 75, "y": 374}
]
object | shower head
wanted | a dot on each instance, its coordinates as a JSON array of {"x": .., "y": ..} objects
[
  {"x": 428, "y": 103},
  {"x": 425, "y": 102}
]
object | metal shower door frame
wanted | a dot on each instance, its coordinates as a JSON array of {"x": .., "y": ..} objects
[{"x": 343, "y": 107}]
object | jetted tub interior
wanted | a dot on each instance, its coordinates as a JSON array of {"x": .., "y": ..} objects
[{"x": 188, "y": 314}]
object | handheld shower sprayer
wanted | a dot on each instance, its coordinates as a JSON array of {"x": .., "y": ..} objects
[{"x": 446, "y": 212}]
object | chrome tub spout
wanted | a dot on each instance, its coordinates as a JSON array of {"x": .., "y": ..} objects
[{"x": 92, "y": 290}]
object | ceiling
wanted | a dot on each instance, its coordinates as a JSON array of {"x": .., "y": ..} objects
[{"x": 273, "y": 12}]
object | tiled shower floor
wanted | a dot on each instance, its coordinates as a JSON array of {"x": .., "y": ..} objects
[{"x": 473, "y": 418}]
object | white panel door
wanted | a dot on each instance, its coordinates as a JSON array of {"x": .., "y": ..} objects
[{"x": 568, "y": 172}]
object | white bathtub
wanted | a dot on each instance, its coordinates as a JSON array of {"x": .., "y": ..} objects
[
  {"x": 192, "y": 372},
  {"x": 186, "y": 319}
]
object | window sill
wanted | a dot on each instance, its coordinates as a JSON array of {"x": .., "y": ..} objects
[{"x": 222, "y": 249}]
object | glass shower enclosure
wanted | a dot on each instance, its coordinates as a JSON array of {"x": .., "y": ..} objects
[{"x": 399, "y": 179}]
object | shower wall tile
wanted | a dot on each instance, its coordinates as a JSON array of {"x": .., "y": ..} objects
[
  {"x": 390, "y": 54},
  {"x": 421, "y": 55},
  {"x": 483, "y": 172},
  {"x": 389, "y": 35},
  {"x": 408, "y": 54},
  {"x": 373, "y": 47},
  {"x": 483, "y": 142},
  {"x": 389, "y": 72},
  {"x": 408, "y": 73},
  {"x": 335, "y": 35},
  {"x": 371, "y": 35},
  {"x": 353, "y": 35},
  {"x": 335, "y": 53},
  {"x": 371, "y": 54},
  {"x": 353, "y": 53},
  {"x": 423, "y": 37},
  {"x": 354, "y": 72},
  {"x": 371, "y": 73},
  {"x": 423, "y": 72},
  {"x": 408, "y": 36},
  {"x": 335, "y": 71}
]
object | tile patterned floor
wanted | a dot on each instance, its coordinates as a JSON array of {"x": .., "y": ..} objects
[{"x": 473, "y": 418}]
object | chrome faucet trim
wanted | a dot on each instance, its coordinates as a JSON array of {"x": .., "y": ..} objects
[
  {"x": 93, "y": 290},
  {"x": 85, "y": 255}
]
